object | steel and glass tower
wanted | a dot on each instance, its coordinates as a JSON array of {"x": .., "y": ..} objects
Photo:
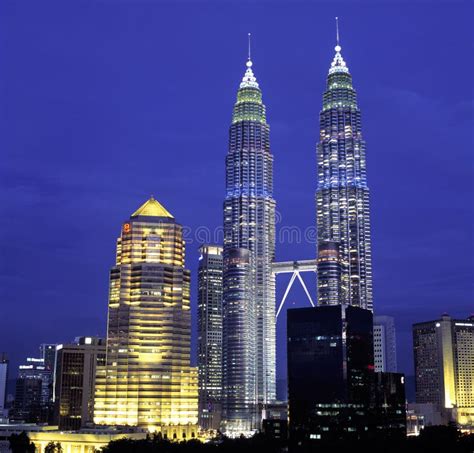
[
  {"x": 209, "y": 343},
  {"x": 148, "y": 380},
  {"x": 342, "y": 196},
  {"x": 249, "y": 248}
]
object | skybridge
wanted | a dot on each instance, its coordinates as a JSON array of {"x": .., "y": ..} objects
[{"x": 295, "y": 268}]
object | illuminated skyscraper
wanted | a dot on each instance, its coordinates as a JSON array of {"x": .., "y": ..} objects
[
  {"x": 210, "y": 336},
  {"x": 249, "y": 247},
  {"x": 342, "y": 195},
  {"x": 147, "y": 379}
]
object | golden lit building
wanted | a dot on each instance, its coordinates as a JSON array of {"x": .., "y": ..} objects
[
  {"x": 148, "y": 380},
  {"x": 444, "y": 367}
]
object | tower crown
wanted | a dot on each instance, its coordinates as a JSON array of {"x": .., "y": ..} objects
[
  {"x": 249, "y": 80},
  {"x": 338, "y": 64},
  {"x": 151, "y": 208}
]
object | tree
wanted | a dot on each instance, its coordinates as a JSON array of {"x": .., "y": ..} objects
[
  {"x": 20, "y": 443},
  {"x": 53, "y": 447}
]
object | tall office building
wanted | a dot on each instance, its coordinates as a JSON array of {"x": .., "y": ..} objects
[
  {"x": 33, "y": 400},
  {"x": 385, "y": 344},
  {"x": 249, "y": 352},
  {"x": 3, "y": 381},
  {"x": 48, "y": 354},
  {"x": 444, "y": 366},
  {"x": 148, "y": 380},
  {"x": 330, "y": 372},
  {"x": 76, "y": 369},
  {"x": 210, "y": 335},
  {"x": 342, "y": 195}
]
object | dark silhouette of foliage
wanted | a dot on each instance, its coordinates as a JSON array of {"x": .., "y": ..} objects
[
  {"x": 20, "y": 443},
  {"x": 53, "y": 447},
  {"x": 435, "y": 439}
]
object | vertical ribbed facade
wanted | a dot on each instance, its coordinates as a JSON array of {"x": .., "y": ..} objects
[
  {"x": 342, "y": 196},
  {"x": 209, "y": 342},
  {"x": 329, "y": 273},
  {"x": 249, "y": 355},
  {"x": 147, "y": 379}
]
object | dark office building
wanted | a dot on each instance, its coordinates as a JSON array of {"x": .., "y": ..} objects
[
  {"x": 27, "y": 407},
  {"x": 389, "y": 405},
  {"x": 330, "y": 372},
  {"x": 33, "y": 393},
  {"x": 76, "y": 367}
]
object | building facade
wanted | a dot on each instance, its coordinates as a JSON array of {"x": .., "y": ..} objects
[
  {"x": 48, "y": 354},
  {"x": 209, "y": 341},
  {"x": 342, "y": 195},
  {"x": 249, "y": 346},
  {"x": 3, "y": 382},
  {"x": 330, "y": 372},
  {"x": 389, "y": 405},
  {"x": 385, "y": 344},
  {"x": 76, "y": 370},
  {"x": 329, "y": 273},
  {"x": 444, "y": 367},
  {"x": 33, "y": 399},
  {"x": 148, "y": 380}
]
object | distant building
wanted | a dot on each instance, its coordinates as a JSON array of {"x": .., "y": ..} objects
[
  {"x": 444, "y": 367},
  {"x": 48, "y": 354},
  {"x": 385, "y": 344},
  {"x": 76, "y": 367},
  {"x": 209, "y": 333},
  {"x": 33, "y": 401},
  {"x": 330, "y": 372},
  {"x": 147, "y": 380},
  {"x": 3, "y": 382}
]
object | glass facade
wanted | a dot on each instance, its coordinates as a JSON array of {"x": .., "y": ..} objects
[
  {"x": 209, "y": 342},
  {"x": 342, "y": 195},
  {"x": 330, "y": 371},
  {"x": 147, "y": 380},
  {"x": 249, "y": 351}
]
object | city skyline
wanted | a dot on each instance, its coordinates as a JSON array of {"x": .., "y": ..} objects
[{"x": 308, "y": 153}]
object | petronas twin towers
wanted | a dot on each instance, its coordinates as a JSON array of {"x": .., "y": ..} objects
[
  {"x": 249, "y": 352},
  {"x": 344, "y": 250}
]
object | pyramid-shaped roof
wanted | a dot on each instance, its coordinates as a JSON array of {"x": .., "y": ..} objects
[{"x": 152, "y": 208}]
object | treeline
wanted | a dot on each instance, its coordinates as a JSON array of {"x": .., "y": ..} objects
[{"x": 437, "y": 439}]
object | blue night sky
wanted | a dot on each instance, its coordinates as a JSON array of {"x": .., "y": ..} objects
[{"x": 104, "y": 103}]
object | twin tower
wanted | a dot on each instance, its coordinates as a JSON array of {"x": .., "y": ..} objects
[
  {"x": 343, "y": 226},
  {"x": 147, "y": 380}
]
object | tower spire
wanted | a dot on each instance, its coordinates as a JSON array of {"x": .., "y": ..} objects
[
  {"x": 337, "y": 31},
  {"x": 250, "y": 55}
]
